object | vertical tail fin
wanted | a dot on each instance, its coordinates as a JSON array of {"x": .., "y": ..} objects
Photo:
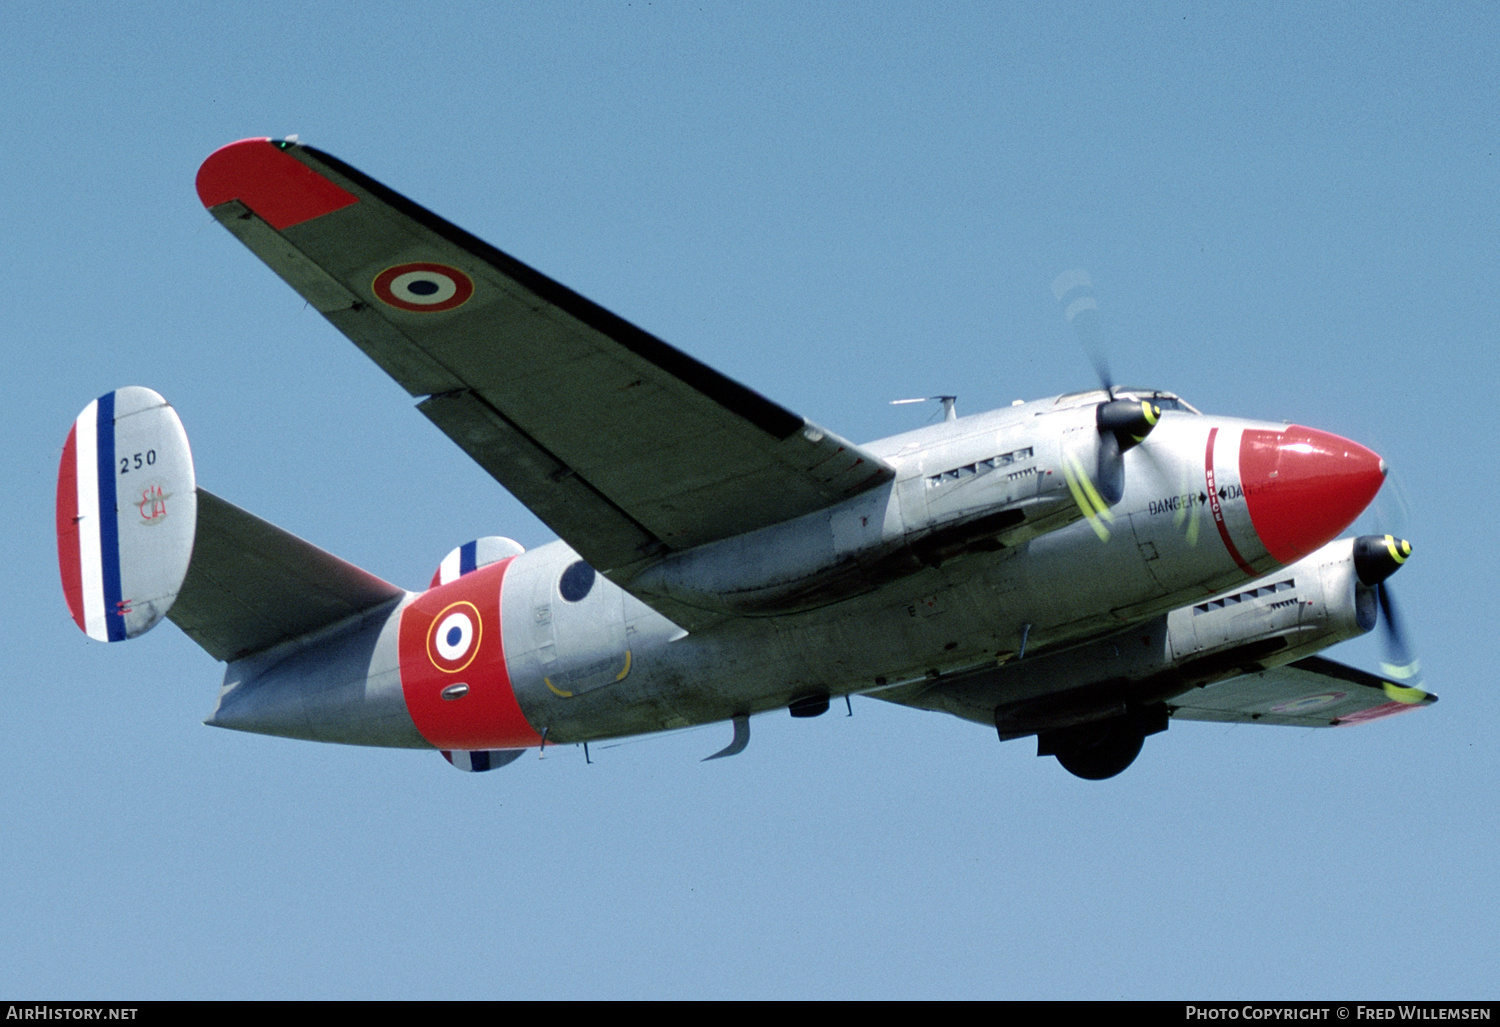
[{"x": 126, "y": 513}]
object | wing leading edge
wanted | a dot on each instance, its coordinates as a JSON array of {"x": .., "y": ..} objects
[{"x": 623, "y": 445}]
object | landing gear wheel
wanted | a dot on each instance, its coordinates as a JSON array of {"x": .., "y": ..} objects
[{"x": 1100, "y": 750}]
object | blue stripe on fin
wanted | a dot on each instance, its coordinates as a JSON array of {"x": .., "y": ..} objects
[{"x": 109, "y": 518}]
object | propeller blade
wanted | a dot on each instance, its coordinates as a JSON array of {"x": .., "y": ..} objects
[
  {"x": 1075, "y": 291},
  {"x": 1090, "y": 502},
  {"x": 1376, "y": 558},
  {"x": 1399, "y": 664}
]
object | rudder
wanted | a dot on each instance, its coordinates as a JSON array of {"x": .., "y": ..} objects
[{"x": 126, "y": 513}]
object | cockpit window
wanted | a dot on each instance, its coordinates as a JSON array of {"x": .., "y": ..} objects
[
  {"x": 1076, "y": 399},
  {"x": 1165, "y": 400}
]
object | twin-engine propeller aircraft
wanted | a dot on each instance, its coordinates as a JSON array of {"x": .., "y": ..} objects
[{"x": 1084, "y": 568}]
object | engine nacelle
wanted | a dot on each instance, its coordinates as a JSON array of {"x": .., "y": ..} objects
[
  {"x": 1295, "y": 612},
  {"x": 1012, "y": 479},
  {"x": 1299, "y": 610}
]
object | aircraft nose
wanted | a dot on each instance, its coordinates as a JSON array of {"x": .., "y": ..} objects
[{"x": 1304, "y": 486}]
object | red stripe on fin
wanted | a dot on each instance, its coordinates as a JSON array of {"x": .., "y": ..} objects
[
  {"x": 68, "y": 559},
  {"x": 277, "y": 186}
]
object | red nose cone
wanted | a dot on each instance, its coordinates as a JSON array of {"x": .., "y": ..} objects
[{"x": 1304, "y": 486}]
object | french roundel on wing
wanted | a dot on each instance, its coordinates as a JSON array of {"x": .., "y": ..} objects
[
  {"x": 454, "y": 636},
  {"x": 1308, "y": 703},
  {"x": 423, "y": 288}
]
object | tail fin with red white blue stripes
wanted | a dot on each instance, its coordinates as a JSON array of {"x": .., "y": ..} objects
[{"x": 126, "y": 513}]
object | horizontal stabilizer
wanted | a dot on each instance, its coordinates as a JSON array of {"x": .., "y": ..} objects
[{"x": 252, "y": 585}]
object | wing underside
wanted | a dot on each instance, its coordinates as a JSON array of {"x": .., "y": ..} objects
[
  {"x": 1312, "y": 692},
  {"x": 623, "y": 445}
]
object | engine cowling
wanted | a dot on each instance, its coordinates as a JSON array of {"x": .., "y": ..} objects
[{"x": 1274, "y": 620}]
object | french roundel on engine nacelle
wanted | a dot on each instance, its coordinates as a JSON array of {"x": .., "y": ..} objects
[{"x": 453, "y": 670}]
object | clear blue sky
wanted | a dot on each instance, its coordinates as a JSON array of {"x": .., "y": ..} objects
[{"x": 1287, "y": 213}]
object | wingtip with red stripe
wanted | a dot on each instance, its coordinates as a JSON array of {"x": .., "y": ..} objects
[{"x": 278, "y": 187}]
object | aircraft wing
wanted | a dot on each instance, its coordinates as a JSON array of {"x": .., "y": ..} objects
[
  {"x": 252, "y": 585},
  {"x": 623, "y": 445},
  {"x": 1312, "y": 692}
]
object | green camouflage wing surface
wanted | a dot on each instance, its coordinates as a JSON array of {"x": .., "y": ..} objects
[
  {"x": 623, "y": 445},
  {"x": 1313, "y": 692}
]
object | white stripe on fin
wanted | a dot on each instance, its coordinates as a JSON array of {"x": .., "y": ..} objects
[
  {"x": 143, "y": 539},
  {"x": 86, "y": 439}
]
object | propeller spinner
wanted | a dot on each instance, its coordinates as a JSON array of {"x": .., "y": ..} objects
[{"x": 1122, "y": 424}]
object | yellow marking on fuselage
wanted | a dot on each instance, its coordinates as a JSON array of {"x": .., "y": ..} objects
[{"x": 568, "y": 695}]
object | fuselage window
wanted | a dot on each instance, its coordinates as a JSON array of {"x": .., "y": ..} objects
[{"x": 576, "y": 581}]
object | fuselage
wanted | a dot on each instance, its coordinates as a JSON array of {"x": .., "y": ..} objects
[{"x": 987, "y": 550}]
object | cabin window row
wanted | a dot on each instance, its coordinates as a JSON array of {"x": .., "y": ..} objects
[{"x": 979, "y": 467}]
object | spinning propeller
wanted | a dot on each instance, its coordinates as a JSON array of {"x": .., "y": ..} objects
[
  {"x": 1075, "y": 292},
  {"x": 1122, "y": 423},
  {"x": 1376, "y": 558}
]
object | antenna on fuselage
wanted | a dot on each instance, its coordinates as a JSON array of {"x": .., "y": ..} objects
[{"x": 950, "y": 404}]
